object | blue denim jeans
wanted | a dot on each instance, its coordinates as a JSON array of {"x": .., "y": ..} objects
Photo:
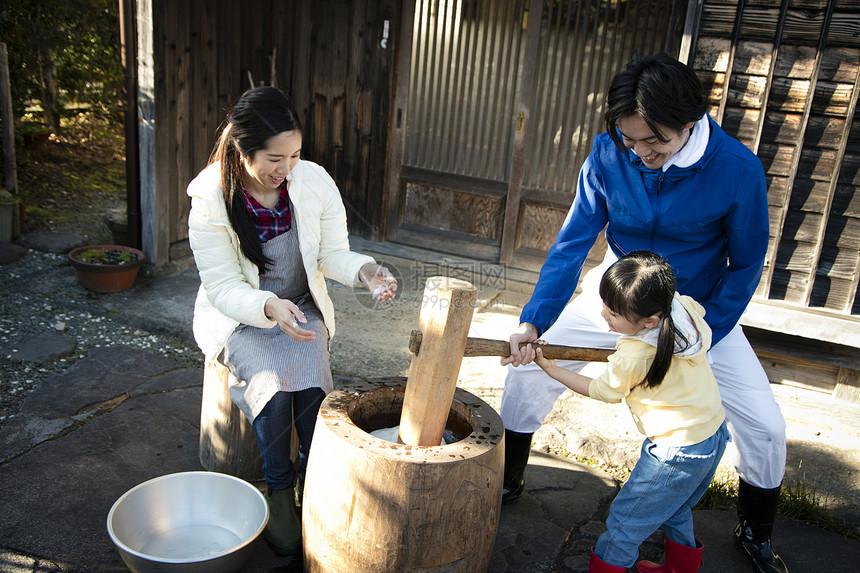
[
  {"x": 660, "y": 494},
  {"x": 273, "y": 430}
]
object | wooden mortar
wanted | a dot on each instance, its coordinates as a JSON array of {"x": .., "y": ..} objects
[{"x": 373, "y": 506}]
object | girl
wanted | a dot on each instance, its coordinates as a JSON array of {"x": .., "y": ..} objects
[
  {"x": 266, "y": 229},
  {"x": 660, "y": 368}
]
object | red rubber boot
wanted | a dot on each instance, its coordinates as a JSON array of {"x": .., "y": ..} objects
[
  {"x": 679, "y": 559},
  {"x": 598, "y": 565}
]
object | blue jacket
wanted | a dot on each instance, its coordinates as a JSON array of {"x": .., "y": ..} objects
[{"x": 709, "y": 220}]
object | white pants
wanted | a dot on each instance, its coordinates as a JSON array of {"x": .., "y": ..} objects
[{"x": 754, "y": 418}]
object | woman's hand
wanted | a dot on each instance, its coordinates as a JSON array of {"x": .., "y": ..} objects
[
  {"x": 378, "y": 280},
  {"x": 526, "y": 332},
  {"x": 288, "y": 316}
]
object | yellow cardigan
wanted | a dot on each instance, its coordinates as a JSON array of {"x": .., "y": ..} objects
[{"x": 686, "y": 407}]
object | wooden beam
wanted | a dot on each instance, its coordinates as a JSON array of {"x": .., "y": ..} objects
[
  {"x": 777, "y": 42},
  {"x": 394, "y": 199},
  {"x": 847, "y": 386},
  {"x": 795, "y": 161},
  {"x": 798, "y": 372},
  {"x": 736, "y": 30},
  {"x": 523, "y": 107},
  {"x": 687, "y": 52},
  {"x": 6, "y": 118},
  {"x": 146, "y": 103}
]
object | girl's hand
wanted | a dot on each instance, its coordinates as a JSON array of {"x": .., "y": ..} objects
[
  {"x": 526, "y": 332},
  {"x": 378, "y": 280},
  {"x": 544, "y": 363},
  {"x": 288, "y": 316}
]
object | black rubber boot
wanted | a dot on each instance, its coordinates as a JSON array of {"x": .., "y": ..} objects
[
  {"x": 756, "y": 514},
  {"x": 284, "y": 530},
  {"x": 517, "y": 448}
]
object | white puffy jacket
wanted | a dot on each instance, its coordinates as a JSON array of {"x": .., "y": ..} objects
[{"x": 229, "y": 292}]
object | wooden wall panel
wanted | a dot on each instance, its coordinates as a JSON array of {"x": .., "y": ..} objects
[
  {"x": 789, "y": 95},
  {"x": 788, "y": 89},
  {"x": 824, "y": 131},
  {"x": 449, "y": 210},
  {"x": 850, "y": 172},
  {"x": 777, "y": 192},
  {"x": 746, "y": 91},
  {"x": 712, "y": 55},
  {"x": 809, "y": 195},
  {"x": 818, "y": 163},
  {"x": 839, "y": 65},
  {"x": 742, "y": 122},
  {"x": 208, "y": 52},
  {"x": 784, "y": 128},
  {"x": 543, "y": 223},
  {"x": 846, "y": 201},
  {"x": 753, "y": 58}
]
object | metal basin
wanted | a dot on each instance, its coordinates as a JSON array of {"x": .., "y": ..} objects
[{"x": 188, "y": 522}]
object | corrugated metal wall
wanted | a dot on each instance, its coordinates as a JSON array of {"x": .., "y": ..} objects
[
  {"x": 465, "y": 78},
  {"x": 503, "y": 101}
]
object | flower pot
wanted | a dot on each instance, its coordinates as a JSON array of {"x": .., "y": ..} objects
[
  {"x": 99, "y": 277},
  {"x": 35, "y": 135}
]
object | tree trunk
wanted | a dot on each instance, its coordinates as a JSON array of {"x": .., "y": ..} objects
[{"x": 50, "y": 95}]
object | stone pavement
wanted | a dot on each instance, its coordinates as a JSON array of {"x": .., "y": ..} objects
[{"x": 122, "y": 415}]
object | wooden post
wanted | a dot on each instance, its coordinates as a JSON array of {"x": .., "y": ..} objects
[
  {"x": 446, "y": 313},
  {"x": 6, "y": 118},
  {"x": 227, "y": 442}
]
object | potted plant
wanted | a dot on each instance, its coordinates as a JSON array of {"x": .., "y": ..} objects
[
  {"x": 106, "y": 268},
  {"x": 34, "y": 134}
]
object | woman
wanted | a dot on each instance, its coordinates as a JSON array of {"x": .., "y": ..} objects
[
  {"x": 664, "y": 178},
  {"x": 266, "y": 229}
]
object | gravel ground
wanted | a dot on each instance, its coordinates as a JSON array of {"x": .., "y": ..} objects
[{"x": 40, "y": 294}]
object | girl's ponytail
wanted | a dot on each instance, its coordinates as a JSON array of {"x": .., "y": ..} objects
[{"x": 666, "y": 340}]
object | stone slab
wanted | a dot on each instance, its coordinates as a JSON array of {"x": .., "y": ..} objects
[
  {"x": 40, "y": 348},
  {"x": 49, "y": 242},
  {"x": 10, "y": 252}
]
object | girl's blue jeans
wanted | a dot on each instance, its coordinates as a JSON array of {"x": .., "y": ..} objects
[
  {"x": 273, "y": 430},
  {"x": 660, "y": 494}
]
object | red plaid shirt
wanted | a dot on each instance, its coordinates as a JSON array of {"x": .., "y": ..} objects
[{"x": 270, "y": 222}]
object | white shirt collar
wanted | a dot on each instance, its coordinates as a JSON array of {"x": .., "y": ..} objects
[{"x": 694, "y": 148}]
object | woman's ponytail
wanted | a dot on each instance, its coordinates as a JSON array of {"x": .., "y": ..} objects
[{"x": 227, "y": 155}]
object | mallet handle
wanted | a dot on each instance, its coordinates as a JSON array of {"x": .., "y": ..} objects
[{"x": 490, "y": 347}]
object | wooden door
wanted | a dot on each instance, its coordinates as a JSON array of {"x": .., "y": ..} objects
[{"x": 496, "y": 105}]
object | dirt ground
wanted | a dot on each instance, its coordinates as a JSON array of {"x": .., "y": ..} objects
[{"x": 76, "y": 180}]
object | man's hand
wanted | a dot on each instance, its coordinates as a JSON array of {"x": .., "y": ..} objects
[{"x": 526, "y": 332}]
